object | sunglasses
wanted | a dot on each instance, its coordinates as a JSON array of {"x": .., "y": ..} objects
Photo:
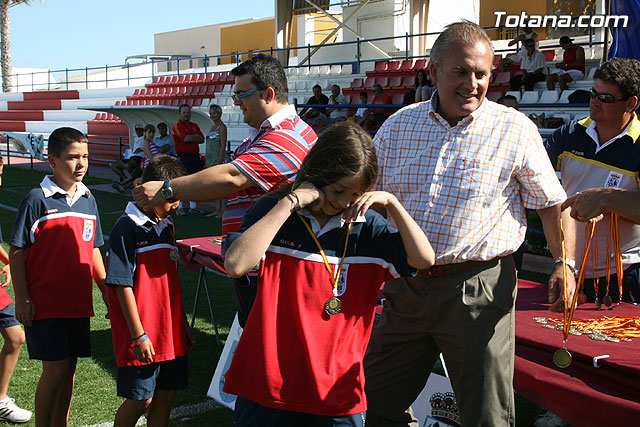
[
  {"x": 605, "y": 98},
  {"x": 238, "y": 96}
]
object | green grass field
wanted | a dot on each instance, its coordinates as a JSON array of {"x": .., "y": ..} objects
[{"x": 94, "y": 399}]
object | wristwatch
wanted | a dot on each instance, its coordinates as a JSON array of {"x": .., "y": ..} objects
[
  {"x": 571, "y": 263},
  {"x": 167, "y": 192}
]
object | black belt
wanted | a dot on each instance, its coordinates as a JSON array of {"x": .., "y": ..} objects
[{"x": 452, "y": 269}]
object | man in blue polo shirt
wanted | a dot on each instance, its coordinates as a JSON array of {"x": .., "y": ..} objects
[{"x": 602, "y": 150}]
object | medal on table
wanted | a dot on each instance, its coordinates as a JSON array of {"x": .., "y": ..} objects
[{"x": 333, "y": 305}]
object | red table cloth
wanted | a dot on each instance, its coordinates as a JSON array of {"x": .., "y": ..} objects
[{"x": 581, "y": 394}]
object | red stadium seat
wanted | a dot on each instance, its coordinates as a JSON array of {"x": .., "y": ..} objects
[
  {"x": 407, "y": 65},
  {"x": 395, "y": 82},
  {"x": 382, "y": 81},
  {"x": 357, "y": 83},
  {"x": 398, "y": 98},
  {"x": 369, "y": 82},
  {"x": 549, "y": 55},
  {"x": 419, "y": 64},
  {"x": 393, "y": 66},
  {"x": 408, "y": 82},
  {"x": 381, "y": 66},
  {"x": 502, "y": 78}
]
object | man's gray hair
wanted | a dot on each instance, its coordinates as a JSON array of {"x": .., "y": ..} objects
[{"x": 465, "y": 32}]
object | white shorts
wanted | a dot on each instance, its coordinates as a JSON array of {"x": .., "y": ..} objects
[{"x": 575, "y": 74}]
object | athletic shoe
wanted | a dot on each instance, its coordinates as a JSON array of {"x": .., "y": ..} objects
[
  {"x": 10, "y": 412},
  {"x": 182, "y": 211},
  {"x": 549, "y": 419}
]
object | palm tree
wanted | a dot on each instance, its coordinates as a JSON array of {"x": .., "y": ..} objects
[{"x": 5, "y": 40}]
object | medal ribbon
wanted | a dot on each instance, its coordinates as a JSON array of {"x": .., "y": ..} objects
[
  {"x": 569, "y": 309},
  {"x": 615, "y": 233},
  {"x": 334, "y": 278}
]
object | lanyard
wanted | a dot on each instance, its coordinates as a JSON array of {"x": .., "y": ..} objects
[{"x": 334, "y": 278}]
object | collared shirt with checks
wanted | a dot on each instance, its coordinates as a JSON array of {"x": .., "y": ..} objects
[{"x": 468, "y": 185}]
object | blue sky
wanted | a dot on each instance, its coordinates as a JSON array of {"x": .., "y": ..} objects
[{"x": 63, "y": 34}]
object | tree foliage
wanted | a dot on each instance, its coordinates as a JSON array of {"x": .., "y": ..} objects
[{"x": 5, "y": 40}]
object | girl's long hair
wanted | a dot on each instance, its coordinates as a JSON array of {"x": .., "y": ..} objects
[{"x": 343, "y": 149}]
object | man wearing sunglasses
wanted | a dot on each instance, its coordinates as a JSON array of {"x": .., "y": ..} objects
[
  {"x": 268, "y": 158},
  {"x": 603, "y": 151}
]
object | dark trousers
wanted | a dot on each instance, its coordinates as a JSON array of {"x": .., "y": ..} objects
[
  {"x": 469, "y": 318},
  {"x": 248, "y": 413},
  {"x": 529, "y": 80},
  {"x": 246, "y": 291},
  {"x": 630, "y": 285}
]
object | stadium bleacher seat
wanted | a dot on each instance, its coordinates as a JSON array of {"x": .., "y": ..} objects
[
  {"x": 393, "y": 66},
  {"x": 564, "y": 97},
  {"x": 515, "y": 93},
  {"x": 529, "y": 97},
  {"x": 549, "y": 55},
  {"x": 548, "y": 97},
  {"x": 381, "y": 66}
]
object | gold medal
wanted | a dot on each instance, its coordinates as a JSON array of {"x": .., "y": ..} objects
[
  {"x": 174, "y": 255},
  {"x": 333, "y": 306},
  {"x": 562, "y": 358},
  {"x": 607, "y": 300}
]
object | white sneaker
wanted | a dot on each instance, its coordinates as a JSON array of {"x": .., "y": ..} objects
[
  {"x": 10, "y": 412},
  {"x": 550, "y": 420}
]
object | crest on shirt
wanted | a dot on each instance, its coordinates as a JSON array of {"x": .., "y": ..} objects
[
  {"x": 87, "y": 232},
  {"x": 342, "y": 280},
  {"x": 613, "y": 180}
]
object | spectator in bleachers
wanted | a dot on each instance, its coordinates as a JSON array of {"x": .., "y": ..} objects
[
  {"x": 187, "y": 137},
  {"x": 130, "y": 162},
  {"x": 216, "y": 149},
  {"x": 315, "y": 115},
  {"x": 337, "y": 98},
  {"x": 360, "y": 112},
  {"x": 423, "y": 87},
  {"x": 508, "y": 101},
  {"x": 570, "y": 68},
  {"x": 268, "y": 158},
  {"x": 528, "y": 34},
  {"x": 532, "y": 64},
  {"x": 149, "y": 146},
  {"x": 164, "y": 141},
  {"x": 605, "y": 152},
  {"x": 377, "y": 116},
  {"x": 150, "y": 151}
]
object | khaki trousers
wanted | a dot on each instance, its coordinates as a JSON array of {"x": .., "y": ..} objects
[{"x": 469, "y": 318}]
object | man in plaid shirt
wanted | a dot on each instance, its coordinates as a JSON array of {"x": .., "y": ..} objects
[{"x": 465, "y": 168}]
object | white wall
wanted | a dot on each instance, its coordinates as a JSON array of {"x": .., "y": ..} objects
[{"x": 444, "y": 12}]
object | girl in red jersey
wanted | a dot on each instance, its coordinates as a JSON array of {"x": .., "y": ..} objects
[{"x": 323, "y": 256}]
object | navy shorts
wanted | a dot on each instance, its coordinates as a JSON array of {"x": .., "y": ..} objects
[
  {"x": 140, "y": 382},
  {"x": 8, "y": 317},
  {"x": 51, "y": 340},
  {"x": 248, "y": 413},
  {"x": 192, "y": 162}
]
